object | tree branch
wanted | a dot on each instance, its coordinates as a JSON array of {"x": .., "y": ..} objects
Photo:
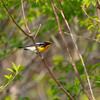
[
  {"x": 28, "y": 35},
  {"x": 26, "y": 21},
  {"x": 98, "y": 10},
  {"x": 89, "y": 15},
  {"x": 66, "y": 22},
  {"x": 67, "y": 49},
  {"x": 25, "y": 17},
  {"x": 8, "y": 82},
  {"x": 37, "y": 31}
]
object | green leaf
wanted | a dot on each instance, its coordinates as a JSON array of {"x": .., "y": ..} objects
[
  {"x": 37, "y": 1},
  {"x": 95, "y": 17},
  {"x": 77, "y": 82},
  {"x": 90, "y": 27},
  {"x": 8, "y": 98},
  {"x": 20, "y": 68},
  {"x": 87, "y": 2},
  {"x": 93, "y": 2},
  {"x": 18, "y": 77},
  {"x": 76, "y": 89},
  {"x": 52, "y": 82},
  {"x": 96, "y": 65},
  {"x": 56, "y": 98},
  {"x": 98, "y": 35},
  {"x": 97, "y": 80},
  {"x": 9, "y": 77},
  {"x": 55, "y": 67},
  {"x": 10, "y": 70},
  {"x": 15, "y": 67},
  {"x": 92, "y": 30},
  {"x": 6, "y": 76},
  {"x": 1, "y": 87}
]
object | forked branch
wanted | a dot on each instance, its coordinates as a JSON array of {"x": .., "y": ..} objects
[
  {"x": 67, "y": 24},
  {"x": 89, "y": 15},
  {"x": 67, "y": 50},
  {"x": 30, "y": 36}
]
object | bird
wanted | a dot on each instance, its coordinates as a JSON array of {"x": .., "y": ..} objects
[{"x": 42, "y": 46}]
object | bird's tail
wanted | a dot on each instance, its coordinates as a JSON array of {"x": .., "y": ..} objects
[{"x": 23, "y": 48}]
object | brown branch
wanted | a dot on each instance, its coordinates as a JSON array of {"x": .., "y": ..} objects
[
  {"x": 89, "y": 15},
  {"x": 15, "y": 5},
  {"x": 26, "y": 21},
  {"x": 37, "y": 31},
  {"x": 97, "y": 4},
  {"x": 60, "y": 86},
  {"x": 69, "y": 54},
  {"x": 12, "y": 32},
  {"x": 25, "y": 17},
  {"x": 81, "y": 37},
  {"x": 98, "y": 10},
  {"x": 44, "y": 60},
  {"x": 62, "y": 12}
]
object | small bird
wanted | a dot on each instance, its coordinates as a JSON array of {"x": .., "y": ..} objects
[{"x": 41, "y": 46}]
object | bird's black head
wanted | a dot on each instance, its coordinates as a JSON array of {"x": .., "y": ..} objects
[{"x": 43, "y": 44}]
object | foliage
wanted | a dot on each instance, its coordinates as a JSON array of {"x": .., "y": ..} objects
[
  {"x": 14, "y": 73},
  {"x": 25, "y": 98},
  {"x": 40, "y": 11},
  {"x": 74, "y": 87},
  {"x": 93, "y": 27}
]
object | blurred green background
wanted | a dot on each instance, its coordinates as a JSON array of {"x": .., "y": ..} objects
[{"x": 34, "y": 82}]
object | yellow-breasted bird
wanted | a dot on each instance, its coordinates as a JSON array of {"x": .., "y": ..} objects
[{"x": 42, "y": 46}]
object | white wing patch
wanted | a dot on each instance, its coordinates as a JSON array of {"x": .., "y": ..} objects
[{"x": 31, "y": 48}]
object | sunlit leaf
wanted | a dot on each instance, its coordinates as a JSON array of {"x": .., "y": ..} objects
[
  {"x": 15, "y": 67},
  {"x": 10, "y": 70}
]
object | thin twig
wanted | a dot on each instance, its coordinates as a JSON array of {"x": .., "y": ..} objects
[
  {"x": 25, "y": 17},
  {"x": 15, "y": 5},
  {"x": 44, "y": 60},
  {"x": 26, "y": 21},
  {"x": 12, "y": 31},
  {"x": 81, "y": 37},
  {"x": 8, "y": 83},
  {"x": 17, "y": 20},
  {"x": 62, "y": 12},
  {"x": 28, "y": 35},
  {"x": 98, "y": 10},
  {"x": 89, "y": 15},
  {"x": 37, "y": 31},
  {"x": 69, "y": 54}
]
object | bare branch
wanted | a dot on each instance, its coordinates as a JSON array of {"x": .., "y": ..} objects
[
  {"x": 89, "y": 15},
  {"x": 60, "y": 86},
  {"x": 26, "y": 21},
  {"x": 12, "y": 31},
  {"x": 98, "y": 10},
  {"x": 17, "y": 20},
  {"x": 81, "y": 37},
  {"x": 25, "y": 17},
  {"x": 37, "y": 31},
  {"x": 15, "y": 5},
  {"x": 67, "y": 49},
  {"x": 62, "y": 12},
  {"x": 97, "y": 4}
]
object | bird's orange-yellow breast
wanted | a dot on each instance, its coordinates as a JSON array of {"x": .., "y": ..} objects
[{"x": 43, "y": 48}]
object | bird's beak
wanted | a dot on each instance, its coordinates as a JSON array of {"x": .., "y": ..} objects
[{"x": 52, "y": 43}]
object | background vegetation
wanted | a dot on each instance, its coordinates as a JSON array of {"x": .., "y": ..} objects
[{"x": 26, "y": 77}]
